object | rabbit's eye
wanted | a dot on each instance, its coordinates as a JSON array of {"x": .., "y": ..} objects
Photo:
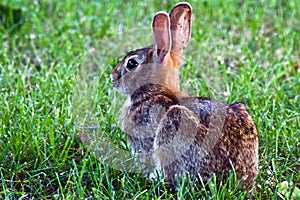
[{"x": 131, "y": 64}]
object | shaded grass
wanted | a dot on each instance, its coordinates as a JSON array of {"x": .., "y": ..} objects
[{"x": 247, "y": 52}]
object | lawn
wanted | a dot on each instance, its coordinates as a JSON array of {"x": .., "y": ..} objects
[{"x": 54, "y": 80}]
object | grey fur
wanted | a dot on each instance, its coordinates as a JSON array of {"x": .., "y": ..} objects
[{"x": 177, "y": 134}]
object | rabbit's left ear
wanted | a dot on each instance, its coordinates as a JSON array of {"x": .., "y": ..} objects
[
  {"x": 180, "y": 18},
  {"x": 161, "y": 35}
]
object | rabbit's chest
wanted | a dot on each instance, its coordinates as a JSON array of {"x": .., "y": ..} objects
[
  {"x": 142, "y": 114},
  {"x": 140, "y": 121}
]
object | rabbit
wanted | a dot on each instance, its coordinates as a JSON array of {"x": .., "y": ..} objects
[{"x": 171, "y": 133}]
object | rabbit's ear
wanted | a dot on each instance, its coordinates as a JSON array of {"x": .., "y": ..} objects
[
  {"x": 161, "y": 35},
  {"x": 180, "y": 18}
]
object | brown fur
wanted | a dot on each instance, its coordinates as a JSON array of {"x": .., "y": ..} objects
[{"x": 175, "y": 133}]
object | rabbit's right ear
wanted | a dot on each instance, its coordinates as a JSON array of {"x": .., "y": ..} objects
[
  {"x": 162, "y": 36},
  {"x": 180, "y": 18}
]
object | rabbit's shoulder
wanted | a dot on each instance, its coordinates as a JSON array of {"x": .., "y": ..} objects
[{"x": 147, "y": 104}]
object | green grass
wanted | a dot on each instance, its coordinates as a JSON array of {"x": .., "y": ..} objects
[{"x": 54, "y": 78}]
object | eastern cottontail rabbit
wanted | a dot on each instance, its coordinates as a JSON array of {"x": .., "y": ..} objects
[{"x": 172, "y": 132}]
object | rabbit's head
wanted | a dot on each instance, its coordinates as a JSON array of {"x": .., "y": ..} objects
[{"x": 160, "y": 62}]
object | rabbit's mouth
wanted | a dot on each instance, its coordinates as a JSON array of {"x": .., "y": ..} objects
[
  {"x": 115, "y": 83},
  {"x": 114, "y": 79}
]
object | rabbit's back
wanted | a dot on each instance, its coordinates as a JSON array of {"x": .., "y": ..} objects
[{"x": 223, "y": 138}]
